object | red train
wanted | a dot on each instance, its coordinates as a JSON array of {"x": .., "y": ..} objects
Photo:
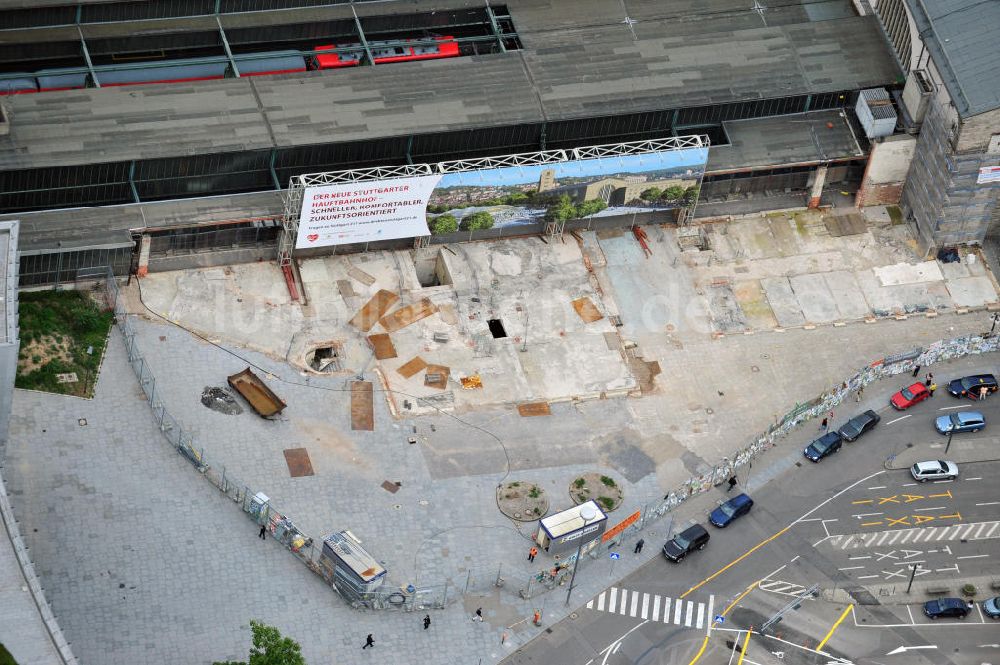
[{"x": 255, "y": 64}]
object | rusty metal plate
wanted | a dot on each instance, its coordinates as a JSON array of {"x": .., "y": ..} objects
[
  {"x": 298, "y": 462},
  {"x": 412, "y": 366},
  {"x": 382, "y": 344},
  {"x": 534, "y": 409},
  {"x": 586, "y": 309},
  {"x": 392, "y": 488},
  {"x": 410, "y": 314},
  {"x": 437, "y": 376},
  {"x": 362, "y": 406},
  {"x": 374, "y": 310}
]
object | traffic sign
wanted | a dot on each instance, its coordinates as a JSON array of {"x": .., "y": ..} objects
[
  {"x": 719, "y": 618},
  {"x": 615, "y": 556}
]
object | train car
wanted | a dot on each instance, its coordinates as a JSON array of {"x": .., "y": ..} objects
[
  {"x": 20, "y": 85},
  {"x": 446, "y": 47},
  {"x": 276, "y": 62},
  {"x": 178, "y": 71},
  {"x": 60, "y": 79}
]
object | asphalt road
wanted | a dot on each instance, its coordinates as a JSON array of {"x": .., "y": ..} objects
[{"x": 849, "y": 529}]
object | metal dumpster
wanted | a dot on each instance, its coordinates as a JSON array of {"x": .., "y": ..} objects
[{"x": 256, "y": 392}]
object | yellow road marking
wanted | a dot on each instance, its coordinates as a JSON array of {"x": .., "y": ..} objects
[
  {"x": 957, "y": 516},
  {"x": 910, "y": 498},
  {"x": 920, "y": 519},
  {"x": 871, "y": 523},
  {"x": 888, "y": 499},
  {"x": 941, "y": 495},
  {"x": 861, "y": 501},
  {"x": 733, "y": 563},
  {"x": 819, "y": 647},
  {"x": 745, "y": 643},
  {"x": 901, "y": 520},
  {"x": 700, "y": 651},
  {"x": 740, "y": 597}
]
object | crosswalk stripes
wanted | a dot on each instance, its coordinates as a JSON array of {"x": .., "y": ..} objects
[
  {"x": 652, "y": 607},
  {"x": 780, "y": 587},
  {"x": 963, "y": 531}
]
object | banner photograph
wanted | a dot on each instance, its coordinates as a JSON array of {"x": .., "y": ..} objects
[
  {"x": 507, "y": 196},
  {"x": 364, "y": 211},
  {"x": 618, "y": 185}
]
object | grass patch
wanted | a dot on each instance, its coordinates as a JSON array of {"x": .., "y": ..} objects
[
  {"x": 895, "y": 214},
  {"x": 606, "y": 502},
  {"x": 579, "y": 482},
  {"x": 5, "y": 657},
  {"x": 607, "y": 480},
  {"x": 57, "y": 327}
]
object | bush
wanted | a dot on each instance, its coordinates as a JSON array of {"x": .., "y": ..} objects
[
  {"x": 606, "y": 502},
  {"x": 588, "y": 208},
  {"x": 477, "y": 221},
  {"x": 443, "y": 224},
  {"x": 610, "y": 482},
  {"x": 534, "y": 492},
  {"x": 672, "y": 193},
  {"x": 579, "y": 482},
  {"x": 651, "y": 194},
  {"x": 691, "y": 193},
  {"x": 969, "y": 590},
  {"x": 561, "y": 210}
]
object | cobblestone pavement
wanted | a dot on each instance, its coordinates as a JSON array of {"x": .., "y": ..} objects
[{"x": 144, "y": 561}]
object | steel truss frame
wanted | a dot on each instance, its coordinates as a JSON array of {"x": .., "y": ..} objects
[{"x": 298, "y": 184}]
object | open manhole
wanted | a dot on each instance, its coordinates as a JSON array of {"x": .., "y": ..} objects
[
  {"x": 496, "y": 328},
  {"x": 326, "y": 357}
]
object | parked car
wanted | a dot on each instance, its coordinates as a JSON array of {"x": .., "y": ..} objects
[
  {"x": 690, "y": 539},
  {"x": 962, "y": 421},
  {"x": 825, "y": 445},
  {"x": 946, "y": 608},
  {"x": 909, "y": 396},
  {"x": 969, "y": 386},
  {"x": 934, "y": 470},
  {"x": 858, "y": 425},
  {"x": 731, "y": 510},
  {"x": 992, "y": 607}
]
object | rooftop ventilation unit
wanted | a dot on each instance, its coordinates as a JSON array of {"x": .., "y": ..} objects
[
  {"x": 916, "y": 94},
  {"x": 876, "y": 113}
]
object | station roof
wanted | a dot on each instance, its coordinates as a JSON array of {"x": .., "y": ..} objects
[
  {"x": 575, "y": 64},
  {"x": 963, "y": 37}
]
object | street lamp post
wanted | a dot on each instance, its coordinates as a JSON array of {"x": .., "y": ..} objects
[{"x": 587, "y": 513}]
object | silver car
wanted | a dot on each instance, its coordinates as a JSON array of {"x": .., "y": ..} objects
[{"x": 934, "y": 470}]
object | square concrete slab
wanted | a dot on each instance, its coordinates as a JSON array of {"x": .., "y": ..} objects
[
  {"x": 847, "y": 295},
  {"x": 971, "y": 291},
  {"x": 753, "y": 302},
  {"x": 783, "y": 302},
  {"x": 815, "y": 299},
  {"x": 909, "y": 273}
]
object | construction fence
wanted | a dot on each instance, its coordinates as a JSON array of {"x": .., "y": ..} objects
[{"x": 518, "y": 581}]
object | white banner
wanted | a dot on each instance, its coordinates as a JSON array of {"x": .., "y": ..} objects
[{"x": 364, "y": 212}]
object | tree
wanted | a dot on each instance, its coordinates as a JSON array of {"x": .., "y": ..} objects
[
  {"x": 673, "y": 193},
  {"x": 443, "y": 224},
  {"x": 651, "y": 194},
  {"x": 477, "y": 221},
  {"x": 270, "y": 648},
  {"x": 588, "y": 208},
  {"x": 691, "y": 193},
  {"x": 560, "y": 210}
]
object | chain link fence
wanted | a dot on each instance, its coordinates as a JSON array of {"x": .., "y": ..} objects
[{"x": 526, "y": 584}]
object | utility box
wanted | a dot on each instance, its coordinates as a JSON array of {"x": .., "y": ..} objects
[
  {"x": 876, "y": 112},
  {"x": 349, "y": 566},
  {"x": 561, "y": 532}
]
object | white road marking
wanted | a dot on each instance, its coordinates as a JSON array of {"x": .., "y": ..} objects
[
  {"x": 678, "y": 608},
  {"x": 852, "y": 568},
  {"x": 611, "y": 598},
  {"x": 600, "y": 602},
  {"x": 656, "y": 609},
  {"x": 866, "y": 577},
  {"x": 948, "y": 408},
  {"x": 910, "y": 612},
  {"x": 976, "y": 478},
  {"x": 989, "y": 503},
  {"x": 924, "y": 510},
  {"x": 708, "y": 615},
  {"x": 689, "y": 615},
  {"x": 666, "y": 610},
  {"x": 898, "y": 419},
  {"x": 644, "y": 612},
  {"x": 624, "y": 605},
  {"x": 972, "y": 556},
  {"x": 859, "y": 516},
  {"x": 635, "y": 603},
  {"x": 857, "y": 558},
  {"x": 878, "y": 487}
]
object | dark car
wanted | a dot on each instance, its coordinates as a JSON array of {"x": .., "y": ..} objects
[
  {"x": 690, "y": 539},
  {"x": 731, "y": 510},
  {"x": 858, "y": 425},
  {"x": 955, "y": 608},
  {"x": 969, "y": 386},
  {"x": 825, "y": 445}
]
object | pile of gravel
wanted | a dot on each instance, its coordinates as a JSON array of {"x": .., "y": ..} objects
[{"x": 221, "y": 400}]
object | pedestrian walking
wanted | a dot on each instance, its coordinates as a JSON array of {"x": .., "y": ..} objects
[
  {"x": 532, "y": 553},
  {"x": 732, "y": 483},
  {"x": 916, "y": 371},
  {"x": 427, "y": 621},
  {"x": 857, "y": 395},
  {"x": 931, "y": 388},
  {"x": 369, "y": 642},
  {"x": 263, "y": 532},
  {"x": 638, "y": 546},
  {"x": 823, "y": 424},
  {"x": 930, "y": 379},
  {"x": 982, "y": 393},
  {"x": 479, "y": 615}
]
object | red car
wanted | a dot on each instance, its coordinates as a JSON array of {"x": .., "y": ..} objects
[{"x": 909, "y": 396}]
